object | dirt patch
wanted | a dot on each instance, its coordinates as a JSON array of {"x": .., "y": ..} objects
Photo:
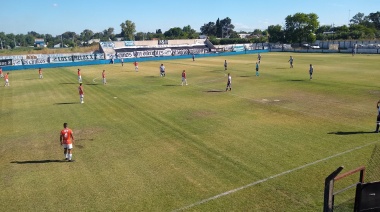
[
  {"x": 86, "y": 134},
  {"x": 200, "y": 114},
  {"x": 374, "y": 92}
]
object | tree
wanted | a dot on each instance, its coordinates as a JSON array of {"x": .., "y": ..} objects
[
  {"x": 219, "y": 31},
  {"x": 276, "y": 34},
  {"x": 189, "y": 33},
  {"x": 158, "y": 31},
  {"x": 209, "y": 29},
  {"x": 140, "y": 36},
  {"x": 108, "y": 34},
  {"x": 375, "y": 18},
  {"x": 86, "y": 35},
  {"x": 227, "y": 27},
  {"x": 128, "y": 29},
  {"x": 301, "y": 27},
  {"x": 257, "y": 32},
  {"x": 174, "y": 33},
  {"x": 359, "y": 19}
]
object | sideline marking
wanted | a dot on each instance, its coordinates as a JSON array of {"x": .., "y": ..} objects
[
  {"x": 271, "y": 177},
  {"x": 94, "y": 79}
]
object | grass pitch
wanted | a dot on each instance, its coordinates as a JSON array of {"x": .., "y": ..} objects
[{"x": 145, "y": 143}]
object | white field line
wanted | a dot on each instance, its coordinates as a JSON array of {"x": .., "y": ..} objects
[
  {"x": 271, "y": 177},
  {"x": 94, "y": 79}
]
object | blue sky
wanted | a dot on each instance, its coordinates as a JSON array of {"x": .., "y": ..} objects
[{"x": 58, "y": 16}]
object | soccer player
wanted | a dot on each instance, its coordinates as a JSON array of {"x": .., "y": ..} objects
[
  {"x": 378, "y": 117},
  {"x": 193, "y": 57},
  {"x": 66, "y": 139},
  {"x": 136, "y": 66},
  {"x": 6, "y": 78},
  {"x": 40, "y": 73},
  {"x": 257, "y": 69},
  {"x": 291, "y": 62},
  {"x": 184, "y": 77},
  {"x": 259, "y": 57},
  {"x": 225, "y": 65},
  {"x": 122, "y": 61},
  {"x": 104, "y": 77},
  {"x": 1, "y": 72},
  {"x": 229, "y": 82},
  {"x": 81, "y": 93},
  {"x": 311, "y": 70},
  {"x": 162, "y": 70},
  {"x": 79, "y": 76}
]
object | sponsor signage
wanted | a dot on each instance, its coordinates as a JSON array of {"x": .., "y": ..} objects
[
  {"x": 6, "y": 62},
  {"x": 129, "y": 43},
  {"x": 163, "y": 42}
]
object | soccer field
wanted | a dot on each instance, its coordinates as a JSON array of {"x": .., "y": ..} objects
[{"x": 146, "y": 143}]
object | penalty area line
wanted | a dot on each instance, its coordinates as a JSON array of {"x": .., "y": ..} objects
[{"x": 271, "y": 177}]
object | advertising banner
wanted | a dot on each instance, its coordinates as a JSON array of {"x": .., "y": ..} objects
[{"x": 6, "y": 62}]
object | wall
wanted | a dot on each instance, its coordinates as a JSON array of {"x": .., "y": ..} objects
[{"x": 142, "y": 59}]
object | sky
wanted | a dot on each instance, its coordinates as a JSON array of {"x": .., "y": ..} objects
[{"x": 58, "y": 16}]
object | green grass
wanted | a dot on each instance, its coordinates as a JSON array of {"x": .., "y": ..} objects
[{"x": 145, "y": 143}]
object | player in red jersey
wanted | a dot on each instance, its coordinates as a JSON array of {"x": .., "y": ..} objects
[
  {"x": 1, "y": 72},
  {"x": 66, "y": 139},
  {"x": 6, "y": 78},
  {"x": 81, "y": 93},
  {"x": 184, "y": 77},
  {"x": 40, "y": 73},
  {"x": 136, "y": 66},
  {"x": 79, "y": 76}
]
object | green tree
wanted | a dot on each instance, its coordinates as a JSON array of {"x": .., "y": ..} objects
[
  {"x": 140, "y": 36},
  {"x": 219, "y": 31},
  {"x": 275, "y": 33},
  {"x": 301, "y": 27},
  {"x": 86, "y": 35},
  {"x": 128, "y": 29},
  {"x": 359, "y": 18},
  {"x": 227, "y": 27},
  {"x": 375, "y": 19},
  {"x": 208, "y": 29},
  {"x": 108, "y": 34},
  {"x": 189, "y": 33},
  {"x": 174, "y": 33}
]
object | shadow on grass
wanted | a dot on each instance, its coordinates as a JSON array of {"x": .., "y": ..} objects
[
  {"x": 296, "y": 80},
  {"x": 214, "y": 91},
  {"x": 66, "y": 103},
  {"x": 68, "y": 83},
  {"x": 245, "y": 76},
  {"x": 39, "y": 161},
  {"x": 91, "y": 84},
  {"x": 350, "y": 133},
  {"x": 171, "y": 85}
]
